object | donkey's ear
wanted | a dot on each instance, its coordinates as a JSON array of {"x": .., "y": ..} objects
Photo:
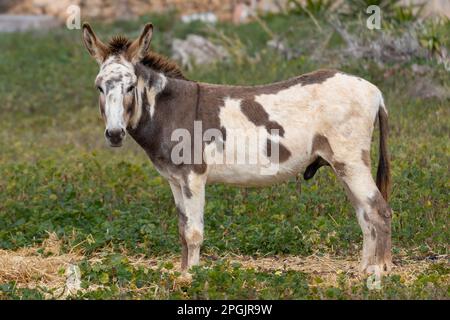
[
  {"x": 141, "y": 45},
  {"x": 96, "y": 48}
]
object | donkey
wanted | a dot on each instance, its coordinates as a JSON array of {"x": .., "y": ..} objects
[{"x": 322, "y": 118}]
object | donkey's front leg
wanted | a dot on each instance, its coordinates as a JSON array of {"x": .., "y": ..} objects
[
  {"x": 179, "y": 203},
  {"x": 193, "y": 192}
]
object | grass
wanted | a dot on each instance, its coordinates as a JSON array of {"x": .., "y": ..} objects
[{"x": 57, "y": 176}]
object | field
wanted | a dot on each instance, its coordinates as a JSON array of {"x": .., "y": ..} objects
[{"x": 67, "y": 199}]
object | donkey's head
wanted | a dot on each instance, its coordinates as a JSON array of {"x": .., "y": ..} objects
[{"x": 117, "y": 80}]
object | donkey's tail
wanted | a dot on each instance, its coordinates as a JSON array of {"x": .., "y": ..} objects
[{"x": 384, "y": 164}]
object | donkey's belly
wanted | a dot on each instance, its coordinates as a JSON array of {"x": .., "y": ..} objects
[{"x": 256, "y": 175}]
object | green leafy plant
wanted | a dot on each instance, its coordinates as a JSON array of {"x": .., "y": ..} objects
[{"x": 431, "y": 38}]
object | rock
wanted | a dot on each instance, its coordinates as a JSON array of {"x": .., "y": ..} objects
[
  {"x": 196, "y": 50},
  {"x": 387, "y": 47},
  {"x": 283, "y": 48},
  {"x": 421, "y": 69},
  {"x": 73, "y": 279},
  {"x": 13, "y": 23},
  {"x": 431, "y": 8},
  {"x": 207, "y": 17},
  {"x": 426, "y": 88},
  {"x": 242, "y": 13},
  {"x": 6, "y": 5}
]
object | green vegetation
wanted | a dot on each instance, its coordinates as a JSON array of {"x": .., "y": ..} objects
[{"x": 58, "y": 175}]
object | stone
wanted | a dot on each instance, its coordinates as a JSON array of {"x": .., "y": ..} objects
[
  {"x": 196, "y": 50},
  {"x": 207, "y": 17}
]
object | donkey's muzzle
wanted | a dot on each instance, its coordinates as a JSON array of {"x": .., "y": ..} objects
[{"x": 115, "y": 136}]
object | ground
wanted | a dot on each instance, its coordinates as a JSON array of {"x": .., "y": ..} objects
[{"x": 67, "y": 199}]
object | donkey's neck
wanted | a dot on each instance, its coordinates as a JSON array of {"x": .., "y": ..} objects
[{"x": 174, "y": 108}]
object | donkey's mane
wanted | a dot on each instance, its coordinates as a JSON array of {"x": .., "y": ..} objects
[
  {"x": 163, "y": 64},
  {"x": 154, "y": 61}
]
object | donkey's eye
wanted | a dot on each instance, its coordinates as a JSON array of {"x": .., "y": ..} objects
[
  {"x": 130, "y": 88},
  {"x": 100, "y": 89}
]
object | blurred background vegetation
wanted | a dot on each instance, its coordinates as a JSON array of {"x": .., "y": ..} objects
[{"x": 57, "y": 174}]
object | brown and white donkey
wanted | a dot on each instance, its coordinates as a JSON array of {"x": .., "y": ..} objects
[{"x": 321, "y": 118}]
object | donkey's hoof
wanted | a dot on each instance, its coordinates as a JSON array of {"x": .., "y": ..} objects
[{"x": 381, "y": 268}]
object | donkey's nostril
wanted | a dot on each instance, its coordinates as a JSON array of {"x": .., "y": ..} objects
[{"x": 115, "y": 135}]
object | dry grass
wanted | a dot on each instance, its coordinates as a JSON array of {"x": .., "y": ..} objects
[
  {"x": 40, "y": 266},
  {"x": 43, "y": 266}
]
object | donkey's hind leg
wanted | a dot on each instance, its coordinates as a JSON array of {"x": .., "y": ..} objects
[
  {"x": 352, "y": 166},
  {"x": 373, "y": 213}
]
